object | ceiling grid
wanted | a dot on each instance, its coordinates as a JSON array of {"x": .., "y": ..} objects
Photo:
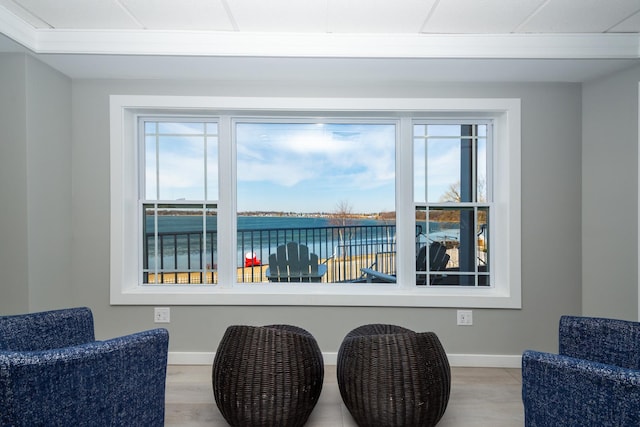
[{"x": 570, "y": 40}]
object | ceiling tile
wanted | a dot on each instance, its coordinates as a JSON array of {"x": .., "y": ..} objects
[
  {"x": 23, "y": 14},
  {"x": 280, "y": 15},
  {"x": 580, "y": 16},
  {"x": 377, "y": 16},
  {"x": 629, "y": 25},
  {"x": 80, "y": 14},
  {"x": 479, "y": 17},
  {"x": 182, "y": 15}
]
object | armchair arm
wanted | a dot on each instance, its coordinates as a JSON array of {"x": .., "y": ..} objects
[
  {"x": 115, "y": 382},
  {"x": 564, "y": 391}
]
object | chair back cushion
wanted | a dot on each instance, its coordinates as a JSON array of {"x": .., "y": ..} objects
[
  {"x": 46, "y": 330},
  {"x": 609, "y": 341},
  {"x": 116, "y": 382}
]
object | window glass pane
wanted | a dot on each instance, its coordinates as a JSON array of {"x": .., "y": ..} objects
[
  {"x": 443, "y": 170},
  {"x": 180, "y": 239},
  {"x": 419, "y": 169},
  {"x": 181, "y": 168},
  {"x": 181, "y": 128},
  {"x": 422, "y": 245},
  {"x": 456, "y": 163},
  {"x": 327, "y": 186},
  {"x": 452, "y": 243},
  {"x": 484, "y": 243},
  {"x": 212, "y": 168},
  {"x": 179, "y": 244},
  {"x": 448, "y": 226},
  {"x": 151, "y": 179},
  {"x": 482, "y": 165},
  {"x": 464, "y": 235},
  {"x": 176, "y": 157}
]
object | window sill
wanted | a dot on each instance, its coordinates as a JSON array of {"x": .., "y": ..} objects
[{"x": 361, "y": 295}]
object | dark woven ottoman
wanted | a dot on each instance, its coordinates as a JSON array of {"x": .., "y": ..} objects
[
  {"x": 269, "y": 376},
  {"x": 390, "y": 376}
]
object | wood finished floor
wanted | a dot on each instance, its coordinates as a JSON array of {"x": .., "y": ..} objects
[{"x": 482, "y": 397}]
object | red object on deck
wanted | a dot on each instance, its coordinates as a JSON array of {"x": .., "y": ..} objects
[{"x": 251, "y": 260}]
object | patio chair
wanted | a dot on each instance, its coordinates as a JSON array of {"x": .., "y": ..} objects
[
  {"x": 593, "y": 381},
  {"x": 438, "y": 260},
  {"x": 293, "y": 263},
  {"x": 53, "y": 372}
]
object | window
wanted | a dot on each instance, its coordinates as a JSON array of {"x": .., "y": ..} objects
[
  {"x": 452, "y": 194},
  {"x": 178, "y": 200},
  {"x": 371, "y": 202},
  {"x": 326, "y": 185}
]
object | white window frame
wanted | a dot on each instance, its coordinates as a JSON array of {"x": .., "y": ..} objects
[
  {"x": 124, "y": 280},
  {"x": 205, "y": 203},
  {"x": 475, "y": 204}
]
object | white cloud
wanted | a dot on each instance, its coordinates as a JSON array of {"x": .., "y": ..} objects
[{"x": 350, "y": 159}]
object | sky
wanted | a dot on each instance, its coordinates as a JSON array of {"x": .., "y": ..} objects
[
  {"x": 314, "y": 167},
  {"x": 437, "y": 160},
  {"x": 300, "y": 167}
]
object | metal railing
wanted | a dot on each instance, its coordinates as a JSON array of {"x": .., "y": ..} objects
[{"x": 191, "y": 257}]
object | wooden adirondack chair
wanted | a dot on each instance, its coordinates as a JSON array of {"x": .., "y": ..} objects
[
  {"x": 438, "y": 259},
  {"x": 293, "y": 263}
]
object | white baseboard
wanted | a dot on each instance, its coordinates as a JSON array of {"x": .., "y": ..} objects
[
  {"x": 331, "y": 358},
  {"x": 485, "y": 360},
  {"x": 190, "y": 358}
]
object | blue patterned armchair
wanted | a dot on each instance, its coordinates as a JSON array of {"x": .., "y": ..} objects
[
  {"x": 593, "y": 381},
  {"x": 53, "y": 372}
]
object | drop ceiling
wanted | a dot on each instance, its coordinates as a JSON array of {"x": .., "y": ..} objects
[{"x": 349, "y": 40}]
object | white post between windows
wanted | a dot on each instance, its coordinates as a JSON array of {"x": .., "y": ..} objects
[{"x": 227, "y": 235}]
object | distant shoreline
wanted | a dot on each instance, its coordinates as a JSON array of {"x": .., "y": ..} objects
[{"x": 275, "y": 214}]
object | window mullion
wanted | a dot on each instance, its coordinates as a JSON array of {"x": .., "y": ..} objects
[
  {"x": 156, "y": 248},
  {"x": 405, "y": 207},
  {"x": 226, "y": 204},
  {"x": 205, "y": 198}
]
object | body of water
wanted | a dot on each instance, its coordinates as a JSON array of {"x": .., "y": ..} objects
[{"x": 183, "y": 243}]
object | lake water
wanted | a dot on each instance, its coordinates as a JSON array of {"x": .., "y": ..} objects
[{"x": 262, "y": 234}]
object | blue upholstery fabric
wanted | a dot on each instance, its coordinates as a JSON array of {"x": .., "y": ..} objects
[
  {"x": 46, "y": 330},
  {"x": 116, "y": 382},
  {"x": 593, "y": 381},
  {"x": 610, "y": 341}
]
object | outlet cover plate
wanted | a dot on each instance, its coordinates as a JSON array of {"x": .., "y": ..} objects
[
  {"x": 465, "y": 317},
  {"x": 162, "y": 315}
]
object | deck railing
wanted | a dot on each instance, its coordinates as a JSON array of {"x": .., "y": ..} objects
[{"x": 191, "y": 257}]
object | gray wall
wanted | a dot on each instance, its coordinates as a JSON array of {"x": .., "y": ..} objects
[
  {"x": 551, "y": 239},
  {"x": 13, "y": 185},
  {"x": 579, "y": 208},
  {"x": 35, "y": 185},
  {"x": 610, "y": 196}
]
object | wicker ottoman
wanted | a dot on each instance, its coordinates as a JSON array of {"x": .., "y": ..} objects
[
  {"x": 268, "y": 376},
  {"x": 390, "y": 376}
]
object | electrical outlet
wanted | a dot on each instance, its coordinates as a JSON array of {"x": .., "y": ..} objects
[
  {"x": 162, "y": 315},
  {"x": 465, "y": 317}
]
